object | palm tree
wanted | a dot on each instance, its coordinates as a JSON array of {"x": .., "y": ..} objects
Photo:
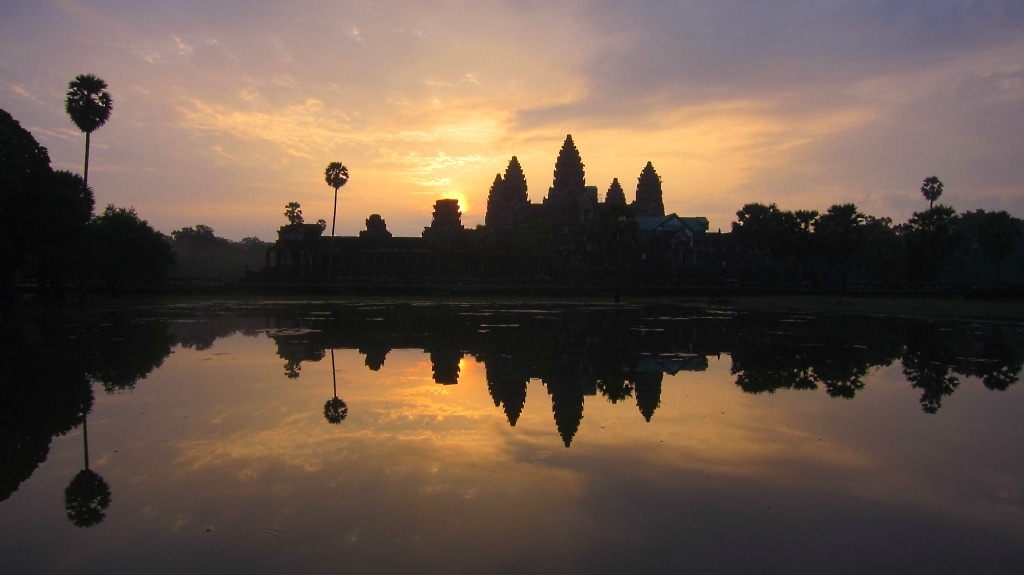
[
  {"x": 89, "y": 105},
  {"x": 336, "y": 175},
  {"x": 931, "y": 189}
]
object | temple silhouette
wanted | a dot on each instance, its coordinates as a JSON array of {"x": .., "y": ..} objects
[{"x": 569, "y": 237}]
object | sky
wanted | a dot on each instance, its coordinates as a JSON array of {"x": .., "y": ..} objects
[{"x": 226, "y": 111}]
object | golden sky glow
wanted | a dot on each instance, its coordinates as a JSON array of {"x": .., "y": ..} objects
[{"x": 222, "y": 115}]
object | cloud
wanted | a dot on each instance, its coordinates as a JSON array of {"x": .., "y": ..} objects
[{"x": 798, "y": 102}]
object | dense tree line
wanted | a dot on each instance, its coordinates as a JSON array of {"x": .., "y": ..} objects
[
  {"x": 202, "y": 255},
  {"x": 843, "y": 246},
  {"x": 48, "y": 230}
]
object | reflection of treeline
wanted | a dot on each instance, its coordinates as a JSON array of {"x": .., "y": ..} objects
[
  {"x": 623, "y": 353},
  {"x": 48, "y": 365}
]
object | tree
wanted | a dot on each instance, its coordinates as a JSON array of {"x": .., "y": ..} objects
[
  {"x": 931, "y": 189},
  {"x": 839, "y": 232},
  {"x": 767, "y": 233},
  {"x": 649, "y": 200},
  {"x": 293, "y": 211},
  {"x": 89, "y": 105},
  {"x": 930, "y": 237},
  {"x": 62, "y": 213},
  {"x": 128, "y": 249},
  {"x": 25, "y": 175},
  {"x": 336, "y": 176},
  {"x": 883, "y": 249},
  {"x": 997, "y": 235}
]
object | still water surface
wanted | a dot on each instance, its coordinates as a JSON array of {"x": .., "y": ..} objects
[{"x": 427, "y": 438}]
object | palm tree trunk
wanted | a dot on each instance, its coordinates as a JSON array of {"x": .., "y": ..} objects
[
  {"x": 330, "y": 251},
  {"x": 85, "y": 172}
]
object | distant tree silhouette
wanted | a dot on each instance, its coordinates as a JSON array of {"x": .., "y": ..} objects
[
  {"x": 649, "y": 200},
  {"x": 931, "y": 189},
  {"x": 293, "y": 211},
  {"x": 128, "y": 249},
  {"x": 930, "y": 237},
  {"x": 89, "y": 105},
  {"x": 202, "y": 254},
  {"x": 336, "y": 176},
  {"x": 997, "y": 236},
  {"x": 884, "y": 249},
  {"x": 839, "y": 232},
  {"x": 767, "y": 234}
]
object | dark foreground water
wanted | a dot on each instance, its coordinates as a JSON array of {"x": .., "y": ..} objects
[{"x": 425, "y": 438}]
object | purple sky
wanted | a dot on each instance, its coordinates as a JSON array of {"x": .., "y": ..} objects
[{"x": 226, "y": 111}]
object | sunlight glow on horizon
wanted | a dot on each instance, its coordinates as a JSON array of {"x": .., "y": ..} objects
[{"x": 223, "y": 120}]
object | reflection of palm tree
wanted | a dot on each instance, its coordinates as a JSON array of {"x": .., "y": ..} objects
[
  {"x": 335, "y": 409},
  {"x": 87, "y": 497},
  {"x": 89, "y": 105}
]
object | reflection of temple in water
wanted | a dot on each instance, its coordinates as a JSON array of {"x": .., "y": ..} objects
[{"x": 623, "y": 353}]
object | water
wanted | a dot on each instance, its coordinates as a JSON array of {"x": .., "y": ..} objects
[{"x": 499, "y": 439}]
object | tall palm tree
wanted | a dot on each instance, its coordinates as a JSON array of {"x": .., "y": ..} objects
[
  {"x": 336, "y": 175},
  {"x": 89, "y": 105}
]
